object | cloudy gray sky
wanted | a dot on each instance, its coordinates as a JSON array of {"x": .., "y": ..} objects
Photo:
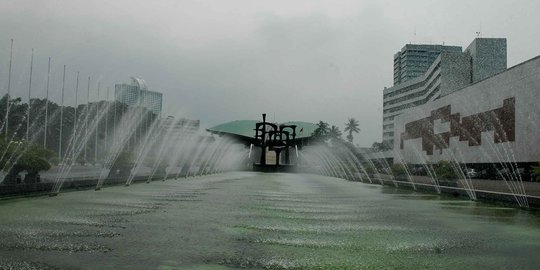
[{"x": 218, "y": 60}]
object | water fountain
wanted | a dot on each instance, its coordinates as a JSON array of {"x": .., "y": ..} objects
[{"x": 216, "y": 214}]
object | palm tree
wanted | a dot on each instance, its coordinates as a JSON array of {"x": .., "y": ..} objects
[
  {"x": 321, "y": 131},
  {"x": 334, "y": 133},
  {"x": 351, "y": 126}
]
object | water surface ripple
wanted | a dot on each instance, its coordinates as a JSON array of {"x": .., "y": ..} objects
[{"x": 263, "y": 221}]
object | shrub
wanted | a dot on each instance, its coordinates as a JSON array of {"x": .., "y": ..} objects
[
  {"x": 398, "y": 169},
  {"x": 22, "y": 156},
  {"x": 536, "y": 172},
  {"x": 369, "y": 169},
  {"x": 444, "y": 170}
]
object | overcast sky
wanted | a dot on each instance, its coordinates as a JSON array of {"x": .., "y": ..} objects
[{"x": 219, "y": 60}]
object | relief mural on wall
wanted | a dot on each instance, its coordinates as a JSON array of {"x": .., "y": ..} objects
[{"x": 469, "y": 128}]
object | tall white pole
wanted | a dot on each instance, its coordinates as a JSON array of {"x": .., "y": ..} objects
[
  {"x": 86, "y": 120},
  {"x": 47, "y": 105},
  {"x": 75, "y": 118},
  {"x": 97, "y": 129},
  {"x": 62, "y": 114},
  {"x": 114, "y": 117},
  {"x": 29, "y": 96},
  {"x": 9, "y": 88},
  {"x": 107, "y": 119}
]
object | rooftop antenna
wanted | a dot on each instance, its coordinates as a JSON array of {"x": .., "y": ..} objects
[
  {"x": 480, "y": 28},
  {"x": 479, "y": 33}
]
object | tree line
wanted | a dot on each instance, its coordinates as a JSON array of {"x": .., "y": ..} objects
[{"x": 64, "y": 121}]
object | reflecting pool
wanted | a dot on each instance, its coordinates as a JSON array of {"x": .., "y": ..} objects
[{"x": 264, "y": 221}]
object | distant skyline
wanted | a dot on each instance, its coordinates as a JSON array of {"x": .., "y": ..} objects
[{"x": 219, "y": 61}]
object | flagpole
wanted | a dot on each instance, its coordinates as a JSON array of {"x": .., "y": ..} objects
[
  {"x": 62, "y": 115},
  {"x": 114, "y": 118},
  {"x": 97, "y": 128},
  {"x": 47, "y": 105},
  {"x": 9, "y": 87},
  {"x": 29, "y": 96},
  {"x": 86, "y": 120},
  {"x": 75, "y": 118},
  {"x": 107, "y": 119}
]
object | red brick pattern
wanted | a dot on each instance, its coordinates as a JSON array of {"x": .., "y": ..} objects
[{"x": 469, "y": 128}]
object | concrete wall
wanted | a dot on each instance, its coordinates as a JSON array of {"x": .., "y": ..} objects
[
  {"x": 488, "y": 57},
  {"x": 455, "y": 71},
  {"x": 495, "y": 120}
]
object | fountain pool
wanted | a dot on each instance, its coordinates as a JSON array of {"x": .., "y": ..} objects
[{"x": 264, "y": 221}]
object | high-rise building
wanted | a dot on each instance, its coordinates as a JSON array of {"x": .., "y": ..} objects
[
  {"x": 415, "y": 59},
  {"x": 488, "y": 125},
  {"x": 450, "y": 71},
  {"x": 136, "y": 94}
]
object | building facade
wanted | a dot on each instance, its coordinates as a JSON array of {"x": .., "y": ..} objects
[
  {"x": 450, "y": 71},
  {"x": 493, "y": 121},
  {"x": 415, "y": 59},
  {"x": 136, "y": 94}
]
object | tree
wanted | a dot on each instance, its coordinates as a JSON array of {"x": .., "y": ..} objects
[
  {"x": 351, "y": 127},
  {"x": 108, "y": 124},
  {"x": 321, "y": 132},
  {"x": 22, "y": 156},
  {"x": 536, "y": 172},
  {"x": 334, "y": 133},
  {"x": 445, "y": 170},
  {"x": 380, "y": 147},
  {"x": 398, "y": 170}
]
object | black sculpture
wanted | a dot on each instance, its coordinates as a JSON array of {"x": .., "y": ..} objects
[{"x": 275, "y": 138}]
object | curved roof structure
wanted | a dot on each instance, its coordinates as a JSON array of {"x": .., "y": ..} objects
[
  {"x": 303, "y": 129},
  {"x": 246, "y": 128},
  {"x": 139, "y": 83}
]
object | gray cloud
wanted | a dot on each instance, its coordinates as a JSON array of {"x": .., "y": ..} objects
[{"x": 219, "y": 61}]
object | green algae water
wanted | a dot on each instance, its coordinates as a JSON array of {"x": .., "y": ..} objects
[{"x": 263, "y": 221}]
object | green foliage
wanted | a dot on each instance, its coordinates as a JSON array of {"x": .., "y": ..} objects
[
  {"x": 324, "y": 132},
  {"x": 350, "y": 138},
  {"x": 369, "y": 169},
  {"x": 536, "y": 171},
  {"x": 70, "y": 117},
  {"x": 398, "y": 169},
  {"x": 351, "y": 127},
  {"x": 334, "y": 133},
  {"x": 444, "y": 170},
  {"x": 22, "y": 156},
  {"x": 321, "y": 132},
  {"x": 380, "y": 147}
]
